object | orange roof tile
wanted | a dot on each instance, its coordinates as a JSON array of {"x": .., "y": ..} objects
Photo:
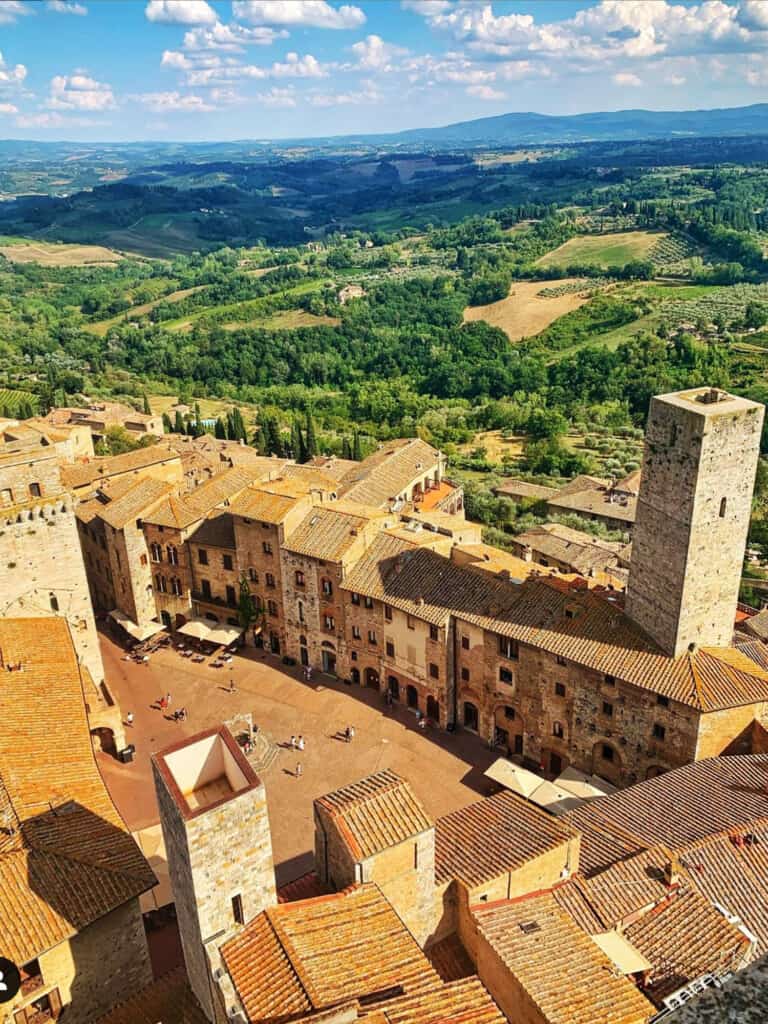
[
  {"x": 169, "y": 1000},
  {"x": 82, "y": 473},
  {"x": 329, "y": 531},
  {"x": 375, "y": 813}
]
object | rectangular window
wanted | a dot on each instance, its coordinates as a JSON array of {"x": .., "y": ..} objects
[
  {"x": 561, "y": 660},
  {"x": 205, "y": 586},
  {"x": 272, "y": 607},
  {"x": 368, "y": 602},
  {"x": 659, "y": 732},
  {"x": 34, "y": 490},
  {"x": 202, "y": 556},
  {"x": 355, "y": 632},
  {"x": 237, "y": 909},
  {"x": 329, "y": 622},
  {"x": 327, "y": 587},
  {"x": 270, "y": 579},
  {"x": 662, "y": 701},
  {"x": 410, "y": 622},
  {"x": 610, "y": 680},
  {"x": 607, "y": 709},
  {"x": 355, "y": 598},
  {"x": 465, "y": 643},
  {"x": 387, "y": 613},
  {"x": 509, "y": 713},
  {"x": 226, "y": 561},
  {"x": 176, "y": 586},
  {"x": 390, "y": 649},
  {"x": 266, "y": 547},
  {"x": 253, "y": 576},
  {"x": 434, "y": 633},
  {"x": 231, "y": 599},
  {"x": 143, "y": 559},
  {"x": 505, "y": 676},
  {"x": 434, "y": 671},
  {"x": 508, "y": 648},
  {"x": 299, "y": 576},
  {"x": 371, "y": 637},
  {"x": 559, "y": 689},
  {"x": 557, "y": 730},
  {"x": 465, "y": 674}
]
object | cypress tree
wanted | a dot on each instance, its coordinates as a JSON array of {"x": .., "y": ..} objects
[
  {"x": 296, "y": 441},
  {"x": 357, "y": 451},
  {"x": 220, "y": 430},
  {"x": 230, "y": 426},
  {"x": 146, "y": 407},
  {"x": 178, "y": 425},
  {"x": 260, "y": 441},
  {"x": 310, "y": 443},
  {"x": 274, "y": 441},
  {"x": 346, "y": 449},
  {"x": 167, "y": 425}
]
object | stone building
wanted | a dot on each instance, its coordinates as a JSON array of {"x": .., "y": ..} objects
[
  {"x": 98, "y": 417},
  {"x": 70, "y": 873},
  {"x": 86, "y": 476},
  {"x": 698, "y": 474}
]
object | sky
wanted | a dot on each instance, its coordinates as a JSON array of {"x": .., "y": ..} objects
[{"x": 263, "y": 69}]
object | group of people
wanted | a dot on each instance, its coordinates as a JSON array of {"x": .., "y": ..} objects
[{"x": 297, "y": 743}]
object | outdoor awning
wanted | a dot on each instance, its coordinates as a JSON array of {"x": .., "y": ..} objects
[
  {"x": 584, "y": 786},
  {"x": 136, "y": 631},
  {"x": 531, "y": 787},
  {"x": 626, "y": 957},
  {"x": 211, "y": 632}
]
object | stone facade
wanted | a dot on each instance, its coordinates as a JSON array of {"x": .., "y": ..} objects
[
  {"x": 693, "y": 514},
  {"x": 219, "y": 848},
  {"x": 171, "y": 567},
  {"x": 216, "y": 580}
]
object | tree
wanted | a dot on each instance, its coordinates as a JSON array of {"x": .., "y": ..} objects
[
  {"x": 260, "y": 441},
  {"x": 346, "y": 449},
  {"x": 310, "y": 441},
  {"x": 297, "y": 442},
  {"x": 357, "y": 451},
  {"x": 145, "y": 406},
  {"x": 220, "y": 430},
  {"x": 247, "y": 607},
  {"x": 167, "y": 425},
  {"x": 178, "y": 425}
]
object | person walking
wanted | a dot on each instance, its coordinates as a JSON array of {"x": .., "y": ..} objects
[
  {"x": 167, "y": 700},
  {"x": 163, "y": 702},
  {"x": 293, "y": 742},
  {"x": 348, "y": 734},
  {"x": 351, "y": 733},
  {"x": 300, "y": 743},
  {"x": 129, "y": 718},
  {"x": 231, "y": 684},
  {"x": 298, "y": 770}
]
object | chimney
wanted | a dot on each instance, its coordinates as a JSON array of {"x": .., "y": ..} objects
[{"x": 672, "y": 873}]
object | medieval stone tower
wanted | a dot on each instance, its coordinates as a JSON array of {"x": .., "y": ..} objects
[
  {"x": 213, "y": 813},
  {"x": 701, "y": 451}
]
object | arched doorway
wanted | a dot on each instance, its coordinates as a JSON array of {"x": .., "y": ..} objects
[
  {"x": 274, "y": 643},
  {"x": 606, "y": 762},
  {"x": 329, "y": 658},
  {"x": 303, "y": 650},
  {"x": 433, "y": 709},
  {"x": 372, "y": 678},
  {"x": 355, "y": 676},
  {"x": 394, "y": 687},
  {"x": 103, "y": 739},
  {"x": 470, "y": 716},
  {"x": 412, "y": 697}
]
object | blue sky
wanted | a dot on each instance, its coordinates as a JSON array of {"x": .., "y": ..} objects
[{"x": 191, "y": 69}]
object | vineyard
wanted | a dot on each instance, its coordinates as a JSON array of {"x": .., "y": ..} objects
[
  {"x": 571, "y": 287},
  {"x": 671, "y": 253},
  {"x": 728, "y": 303},
  {"x": 12, "y": 402}
]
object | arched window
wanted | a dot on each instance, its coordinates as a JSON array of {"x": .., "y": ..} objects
[
  {"x": 302, "y": 640},
  {"x": 301, "y": 611},
  {"x": 173, "y": 555},
  {"x": 326, "y": 586},
  {"x": 557, "y": 730},
  {"x": 175, "y": 585},
  {"x": 156, "y": 552}
]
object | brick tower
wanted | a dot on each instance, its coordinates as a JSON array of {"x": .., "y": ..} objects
[
  {"x": 213, "y": 813},
  {"x": 701, "y": 451}
]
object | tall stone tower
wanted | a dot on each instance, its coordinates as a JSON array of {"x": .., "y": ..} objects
[
  {"x": 701, "y": 451},
  {"x": 213, "y": 813}
]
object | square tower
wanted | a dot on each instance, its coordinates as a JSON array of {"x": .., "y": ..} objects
[
  {"x": 213, "y": 812},
  {"x": 701, "y": 452}
]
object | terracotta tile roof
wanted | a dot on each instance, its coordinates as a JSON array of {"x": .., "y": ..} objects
[
  {"x": 180, "y": 512},
  {"x": 329, "y": 531},
  {"x": 677, "y": 809},
  {"x": 271, "y": 501},
  {"x": 303, "y": 888},
  {"x": 757, "y": 625},
  {"x": 336, "y": 468},
  {"x": 465, "y": 1001},
  {"x": 574, "y": 548},
  {"x": 424, "y": 584},
  {"x": 375, "y": 813},
  {"x": 216, "y": 531},
  {"x": 515, "y": 488},
  {"x": 87, "y": 472},
  {"x": 565, "y": 973},
  {"x": 594, "y": 497},
  {"x": 71, "y": 859},
  {"x": 491, "y": 837},
  {"x": 684, "y": 938},
  {"x": 304, "y": 956},
  {"x": 140, "y": 498},
  {"x": 450, "y": 959},
  {"x": 389, "y": 471},
  {"x": 169, "y": 1000},
  {"x": 627, "y": 886},
  {"x": 312, "y": 477}
]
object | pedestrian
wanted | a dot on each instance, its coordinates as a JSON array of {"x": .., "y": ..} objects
[
  {"x": 351, "y": 733},
  {"x": 231, "y": 684},
  {"x": 163, "y": 703},
  {"x": 129, "y": 718},
  {"x": 293, "y": 742},
  {"x": 298, "y": 770},
  {"x": 300, "y": 743},
  {"x": 309, "y": 673},
  {"x": 167, "y": 700},
  {"x": 348, "y": 733},
  {"x": 183, "y": 713}
]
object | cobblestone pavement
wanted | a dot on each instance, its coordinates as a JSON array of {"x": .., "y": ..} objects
[{"x": 445, "y": 770}]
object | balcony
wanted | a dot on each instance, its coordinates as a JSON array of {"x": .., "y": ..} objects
[{"x": 220, "y": 602}]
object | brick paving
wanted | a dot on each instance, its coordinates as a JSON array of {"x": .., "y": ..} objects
[{"x": 445, "y": 770}]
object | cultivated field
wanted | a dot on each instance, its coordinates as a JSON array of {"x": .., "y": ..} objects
[
  {"x": 101, "y": 327},
  {"x": 613, "y": 250},
  {"x": 525, "y": 313},
  {"x": 52, "y": 254},
  {"x": 286, "y": 320},
  {"x": 496, "y": 445}
]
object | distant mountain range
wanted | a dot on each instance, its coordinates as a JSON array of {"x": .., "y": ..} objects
[{"x": 538, "y": 129}]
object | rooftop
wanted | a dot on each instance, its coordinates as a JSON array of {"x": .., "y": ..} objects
[
  {"x": 491, "y": 837},
  {"x": 169, "y": 1000},
  {"x": 329, "y": 531},
  {"x": 216, "y": 531},
  {"x": 383, "y": 475},
  {"x": 375, "y": 813},
  {"x": 66, "y": 857},
  {"x": 90, "y": 471}
]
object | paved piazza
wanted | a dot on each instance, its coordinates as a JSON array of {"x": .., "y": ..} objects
[{"x": 445, "y": 770}]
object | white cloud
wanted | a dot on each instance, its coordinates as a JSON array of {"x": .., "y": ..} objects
[
  {"x": 428, "y": 8},
  {"x": 310, "y": 13},
  {"x": 8, "y": 108},
  {"x": 162, "y": 102},
  {"x": 626, "y": 78},
  {"x": 55, "y": 120},
  {"x": 230, "y": 37},
  {"x": 675, "y": 80},
  {"x": 79, "y": 92},
  {"x": 226, "y": 97},
  {"x": 295, "y": 66},
  {"x": 277, "y": 97},
  {"x": 373, "y": 54},
  {"x": 11, "y": 76},
  {"x": 367, "y": 94},
  {"x": 66, "y": 7},
  {"x": 10, "y": 10},
  {"x": 213, "y": 75},
  {"x": 181, "y": 12},
  {"x": 753, "y": 14},
  {"x": 484, "y": 92}
]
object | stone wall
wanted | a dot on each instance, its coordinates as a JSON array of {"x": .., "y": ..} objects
[{"x": 261, "y": 566}]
